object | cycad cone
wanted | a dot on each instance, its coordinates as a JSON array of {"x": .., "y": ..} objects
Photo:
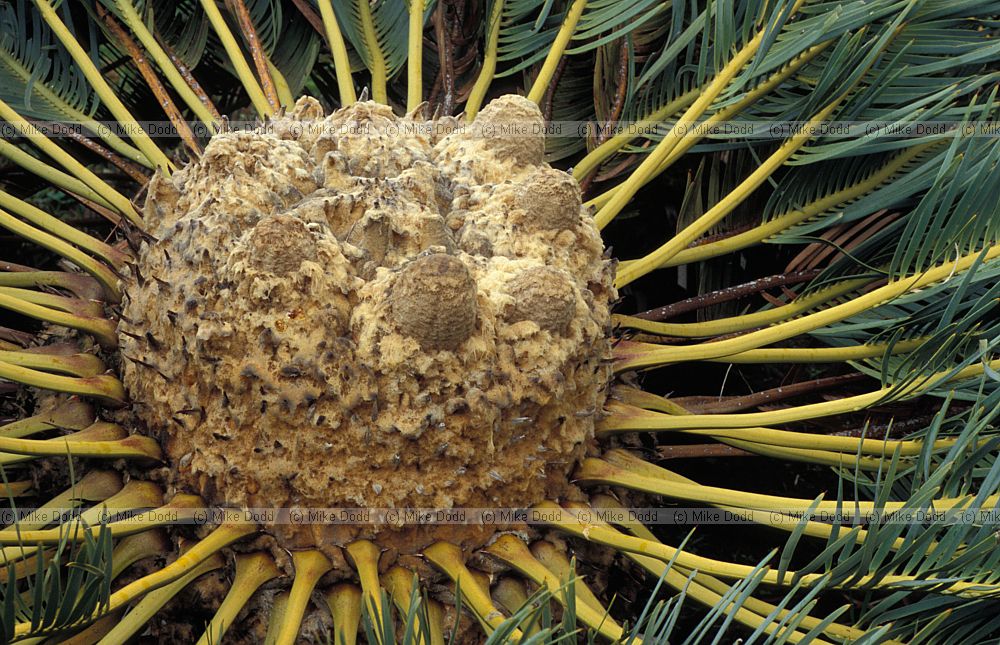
[{"x": 370, "y": 311}]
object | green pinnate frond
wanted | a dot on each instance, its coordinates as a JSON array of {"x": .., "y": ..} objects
[{"x": 36, "y": 75}]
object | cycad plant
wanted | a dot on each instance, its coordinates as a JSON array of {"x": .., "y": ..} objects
[{"x": 383, "y": 296}]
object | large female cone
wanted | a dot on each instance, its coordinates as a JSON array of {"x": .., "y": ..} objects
[{"x": 310, "y": 334}]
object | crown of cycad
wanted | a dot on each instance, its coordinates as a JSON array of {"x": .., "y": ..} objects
[{"x": 368, "y": 310}]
